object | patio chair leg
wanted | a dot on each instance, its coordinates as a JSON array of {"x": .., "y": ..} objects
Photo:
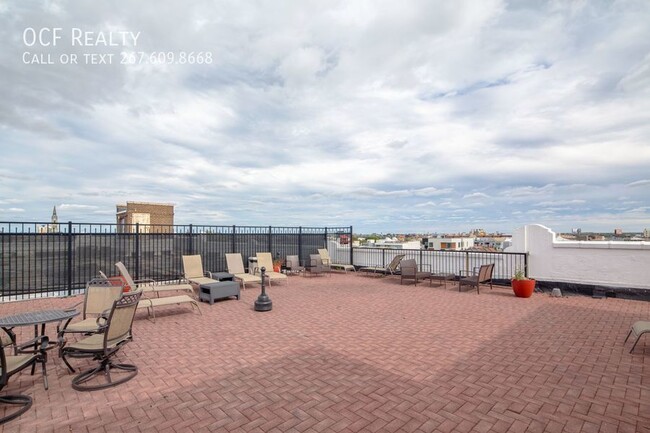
[
  {"x": 628, "y": 336},
  {"x": 65, "y": 360},
  {"x": 43, "y": 363},
  {"x": 104, "y": 367},
  {"x": 22, "y": 400}
]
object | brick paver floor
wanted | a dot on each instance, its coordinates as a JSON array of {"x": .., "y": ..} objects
[{"x": 348, "y": 353}]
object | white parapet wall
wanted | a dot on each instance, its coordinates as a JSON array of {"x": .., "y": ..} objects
[{"x": 602, "y": 263}]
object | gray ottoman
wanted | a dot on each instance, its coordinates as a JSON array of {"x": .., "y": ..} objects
[{"x": 222, "y": 289}]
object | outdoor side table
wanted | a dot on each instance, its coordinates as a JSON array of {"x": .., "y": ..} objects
[
  {"x": 221, "y": 289},
  {"x": 442, "y": 277},
  {"x": 222, "y": 276}
]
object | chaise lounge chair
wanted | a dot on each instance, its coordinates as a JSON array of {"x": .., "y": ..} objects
[
  {"x": 638, "y": 329},
  {"x": 325, "y": 257},
  {"x": 235, "y": 265},
  {"x": 265, "y": 260},
  {"x": 391, "y": 269},
  {"x": 193, "y": 268},
  {"x": 148, "y": 285},
  {"x": 151, "y": 303}
]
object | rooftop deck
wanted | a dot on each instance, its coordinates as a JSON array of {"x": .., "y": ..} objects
[{"x": 349, "y": 353}]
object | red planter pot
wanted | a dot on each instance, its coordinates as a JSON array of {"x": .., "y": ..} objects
[
  {"x": 277, "y": 268},
  {"x": 523, "y": 288}
]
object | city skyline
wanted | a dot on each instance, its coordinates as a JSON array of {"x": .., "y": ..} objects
[{"x": 431, "y": 117}]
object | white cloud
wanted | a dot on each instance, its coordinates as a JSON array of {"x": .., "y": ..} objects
[{"x": 355, "y": 113}]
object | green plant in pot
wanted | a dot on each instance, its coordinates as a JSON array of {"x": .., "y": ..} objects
[{"x": 522, "y": 285}]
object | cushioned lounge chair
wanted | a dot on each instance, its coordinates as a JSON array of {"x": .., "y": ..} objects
[
  {"x": 409, "y": 271},
  {"x": 325, "y": 257},
  {"x": 483, "y": 276},
  {"x": 391, "y": 269},
  {"x": 265, "y": 260},
  {"x": 102, "y": 347},
  {"x": 638, "y": 329},
  {"x": 235, "y": 265}
]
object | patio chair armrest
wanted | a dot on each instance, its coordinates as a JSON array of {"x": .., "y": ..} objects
[
  {"x": 465, "y": 273},
  {"x": 28, "y": 346}
]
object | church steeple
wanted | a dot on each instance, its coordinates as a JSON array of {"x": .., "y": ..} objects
[{"x": 53, "y": 227}]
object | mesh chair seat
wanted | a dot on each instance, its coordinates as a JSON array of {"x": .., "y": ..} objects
[{"x": 102, "y": 347}]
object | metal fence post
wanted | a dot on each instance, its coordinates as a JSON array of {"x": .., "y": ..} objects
[
  {"x": 190, "y": 242},
  {"x": 271, "y": 241},
  {"x": 234, "y": 242},
  {"x": 69, "y": 258},
  {"x": 351, "y": 248},
  {"x": 467, "y": 263},
  {"x": 137, "y": 251},
  {"x": 299, "y": 244},
  {"x": 526, "y": 264}
]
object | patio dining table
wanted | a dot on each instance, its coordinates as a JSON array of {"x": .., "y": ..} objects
[{"x": 35, "y": 318}]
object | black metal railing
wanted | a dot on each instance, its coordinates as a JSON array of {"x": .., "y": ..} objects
[
  {"x": 444, "y": 261},
  {"x": 40, "y": 258}
]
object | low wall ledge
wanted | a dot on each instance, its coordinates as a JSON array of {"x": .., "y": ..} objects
[{"x": 597, "y": 245}]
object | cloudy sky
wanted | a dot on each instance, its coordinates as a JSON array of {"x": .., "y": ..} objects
[{"x": 427, "y": 116}]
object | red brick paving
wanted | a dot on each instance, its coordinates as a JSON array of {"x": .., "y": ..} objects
[{"x": 351, "y": 353}]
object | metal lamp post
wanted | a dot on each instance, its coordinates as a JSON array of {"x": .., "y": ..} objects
[{"x": 263, "y": 302}]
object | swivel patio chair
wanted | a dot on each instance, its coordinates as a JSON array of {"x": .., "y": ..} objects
[
  {"x": 102, "y": 347},
  {"x": 235, "y": 265},
  {"x": 391, "y": 269},
  {"x": 265, "y": 260},
  {"x": 483, "y": 276},
  {"x": 638, "y": 329},
  {"x": 12, "y": 364},
  {"x": 409, "y": 271},
  {"x": 98, "y": 300}
]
